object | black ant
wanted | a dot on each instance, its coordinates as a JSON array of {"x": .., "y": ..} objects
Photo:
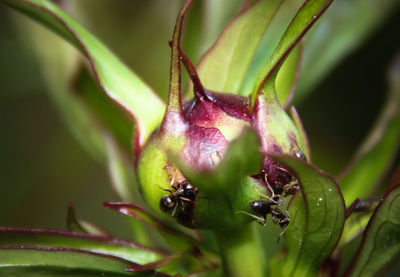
[
  {"x": 181, "y": 200},
  {"x": 184, "y": 194}
]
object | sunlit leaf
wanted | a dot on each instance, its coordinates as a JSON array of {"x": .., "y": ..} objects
[
  {"x": 176, "y": 239},
  {"x": 43, "y": 261},
  {"x": 344, "y": 27},
  {"x": 375, "y": 155},
  {"x": 224, "y": 66},
  {"x": 195, "y": 254},
  {"x": 380, "y": 245},
  {"x": 116, "y": 79},
  {"x": 305, "y": 18},
  {"x": 270, "y": 40},
  {"x": 348, "y": 252},
  {"x": 317, "y": 218},
  {"x": 61, "y": 239}
]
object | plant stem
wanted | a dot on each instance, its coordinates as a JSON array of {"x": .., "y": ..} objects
[{"x": 241, "y": 252}]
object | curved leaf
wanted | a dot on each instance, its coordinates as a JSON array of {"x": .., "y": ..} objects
[
  {"x": 196, "y": 257},
  {"x": 305, "y": 18},
  {"x": 375, "y": 155},
  {"x": 380, "y": 244},
  {"x": 176, "y": 239},
  {"x": 223, "y": 67},
  {"x": 126, "y": 250},
  {"x": 345, "y": 26},
  {"x": 42, "y": 261},
  {"x": 317, "y": 218},
  {"x": 116, "y": 79},
  {"x": 78, "y": 225},
  {"x": 287, "y": 76}
]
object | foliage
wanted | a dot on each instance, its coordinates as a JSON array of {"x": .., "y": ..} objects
[{"x": 233, "y": 141}]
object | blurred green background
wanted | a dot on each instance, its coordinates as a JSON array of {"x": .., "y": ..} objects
[{"x": 43, "y": 168}]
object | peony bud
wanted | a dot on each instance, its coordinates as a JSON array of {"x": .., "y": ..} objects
[{"x": 197, "y": 133}]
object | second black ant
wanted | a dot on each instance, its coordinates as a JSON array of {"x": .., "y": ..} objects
[{"x": 180, "y": 202}]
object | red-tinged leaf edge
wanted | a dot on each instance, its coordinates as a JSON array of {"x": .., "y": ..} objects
[
  {"x": 77, "y": 225},
  {"x": 174, "y": 114},
  {"x": 129, "y": 210},
  {"x": 83, "y": 251},
  {"x": 196, "y": 248},
  {"x": 73, "y": 224},
  {"x": 55, "y": 232},
  {"x": 367, "y": 229},
  {"x": 148, "y": 268},
  {"x": 395, "y": 179}
]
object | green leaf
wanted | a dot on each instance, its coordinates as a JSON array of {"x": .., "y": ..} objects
[
  {"x": 301, "y": 23},
  {"x": 120, "y": 84},
  {"x": 347, "y": 254},
  {"x": 317, "y": 218},
  {"x": 380, "y": 245},
  {"x": 110, "y": 117},
  {"x": 39, "y": 261},
  {"x": 344, "y": 27},
  {"x": 375, "y": 155},
  {"x": 223, "y": 67},
  {"x": 75, "y": 224},
  {"x": 126, "y": 250},
  {"x": 176, "y": 239},
  {"x": 195, "y": 255},
  {"x": 287, "y": 76}
]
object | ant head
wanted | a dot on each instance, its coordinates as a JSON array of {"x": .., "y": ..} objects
[
  {"x": 189, "y": 191},
  {"x": 284, "y": 222},
  {"x": 167, "y": 202}
]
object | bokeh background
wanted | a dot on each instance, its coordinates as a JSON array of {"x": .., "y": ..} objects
[{"x": 42, "y": 166}]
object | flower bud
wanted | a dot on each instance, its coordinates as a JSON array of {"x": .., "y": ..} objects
[{"x": 197, "y": 134}]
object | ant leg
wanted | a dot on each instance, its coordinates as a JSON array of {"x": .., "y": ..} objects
[
  {"x": 174, "y": 211},
  {"x": 260, "y": 220},
  {"x": 281, "y": 234},
  {"x": 185, "y": 199},
  {"x": 273, "y": 195},
  {"x": 265, "y": 196}
]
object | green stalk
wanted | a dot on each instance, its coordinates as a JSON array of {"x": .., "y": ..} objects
[{"x": 241, "y": 252}]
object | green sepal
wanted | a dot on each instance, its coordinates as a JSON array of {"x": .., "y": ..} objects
[
  {"x": 317, "y": 216},
  {"x": 223, "y": 67},
  {"x": 307, "y": 15}
]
